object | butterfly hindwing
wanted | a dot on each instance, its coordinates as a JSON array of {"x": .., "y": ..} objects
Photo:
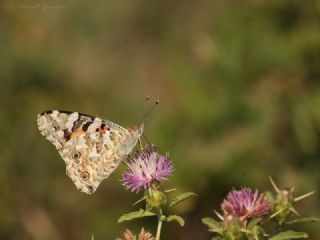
[{"x": 92, "y": 148}]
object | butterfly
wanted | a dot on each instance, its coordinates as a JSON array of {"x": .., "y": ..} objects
[{"x": 91, "y": 147}]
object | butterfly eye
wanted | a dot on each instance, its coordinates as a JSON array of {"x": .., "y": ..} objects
[
  {"x": 85, "y": 176},
  {"x": 76, "y": 155}
]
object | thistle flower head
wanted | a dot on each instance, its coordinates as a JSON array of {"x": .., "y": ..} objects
[
  {"x": 146, "y": 168},
  {"x": 143, "y": 235},
  {"x": 245, "y": 204}
]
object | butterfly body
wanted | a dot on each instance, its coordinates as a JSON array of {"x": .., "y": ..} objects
[{"x": 91, "y": 147}]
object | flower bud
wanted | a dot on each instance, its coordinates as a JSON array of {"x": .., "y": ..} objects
[
  {"x": 283, "y": 205},
  {"x": 155, "y": 198}
]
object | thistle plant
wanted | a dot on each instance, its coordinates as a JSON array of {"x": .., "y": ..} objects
[
  {"x": 147, "y": 170},
  {"x": 246, "y": 211}
]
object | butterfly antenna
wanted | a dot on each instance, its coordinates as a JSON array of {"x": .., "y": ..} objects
[
  {"x": 143, "y": 119},
  {"x": 150, "y": 110}
]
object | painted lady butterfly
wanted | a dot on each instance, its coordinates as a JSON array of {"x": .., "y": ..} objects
[{"x": 91, "y": 147}]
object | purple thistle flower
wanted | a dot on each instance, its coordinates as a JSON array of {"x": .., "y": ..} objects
[
  {"x": 146, "y": 168},
  {"x": 246, "y": 204}
]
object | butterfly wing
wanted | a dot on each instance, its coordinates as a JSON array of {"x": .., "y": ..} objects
[{"x": 92, "y": 148}]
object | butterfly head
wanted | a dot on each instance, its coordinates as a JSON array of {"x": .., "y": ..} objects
[
  {"x": 136, "y": 131},
  {"x": 139, "y": 129}
]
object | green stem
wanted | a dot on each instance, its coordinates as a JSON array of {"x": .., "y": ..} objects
[
  {"x": 159, "y": 225},
  {"x": 279, "y": 228}
]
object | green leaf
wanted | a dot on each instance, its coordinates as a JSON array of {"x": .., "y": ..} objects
[
  {"x": 181, "y": 198},
  {"x": 217, "y": 238},
  {"x": 253, "y": 223},
  {"x": 289, "y": 235},
  {"x": 304, "y": 220},
  {"x": 137, "y": 214},
  {"x": 213, "y": 225},
  {"x": 176, "y": 218}
]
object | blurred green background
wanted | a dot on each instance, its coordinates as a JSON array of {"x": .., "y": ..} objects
[{"x": 239, "y": 90}]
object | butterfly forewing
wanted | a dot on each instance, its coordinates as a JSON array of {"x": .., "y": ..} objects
[{"x": 91, "y": 147}]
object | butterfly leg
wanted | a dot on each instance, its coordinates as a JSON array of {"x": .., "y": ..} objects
[
  {"x": 140, "y": 143},
  {"x": 149, "y": 144}
]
